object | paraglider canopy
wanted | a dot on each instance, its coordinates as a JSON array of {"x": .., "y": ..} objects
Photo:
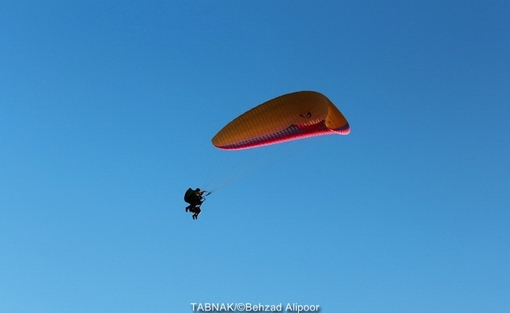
[{"x": 289, "y": 117}]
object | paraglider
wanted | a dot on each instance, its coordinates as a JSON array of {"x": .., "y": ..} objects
[
  {"x": 194, "y": 198},
  {"x": 289, "y": 117}
]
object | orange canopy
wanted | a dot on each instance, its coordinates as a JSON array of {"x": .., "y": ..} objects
[{"x": 288, "y": 117}]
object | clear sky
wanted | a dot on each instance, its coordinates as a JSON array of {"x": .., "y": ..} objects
[{"x": 107, "y": 109}]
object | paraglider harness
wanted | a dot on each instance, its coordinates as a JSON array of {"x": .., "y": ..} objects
[{"x": 194, "y": 201}]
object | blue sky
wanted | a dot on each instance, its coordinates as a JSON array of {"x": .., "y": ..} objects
[{"x": 106, "y": 114}]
